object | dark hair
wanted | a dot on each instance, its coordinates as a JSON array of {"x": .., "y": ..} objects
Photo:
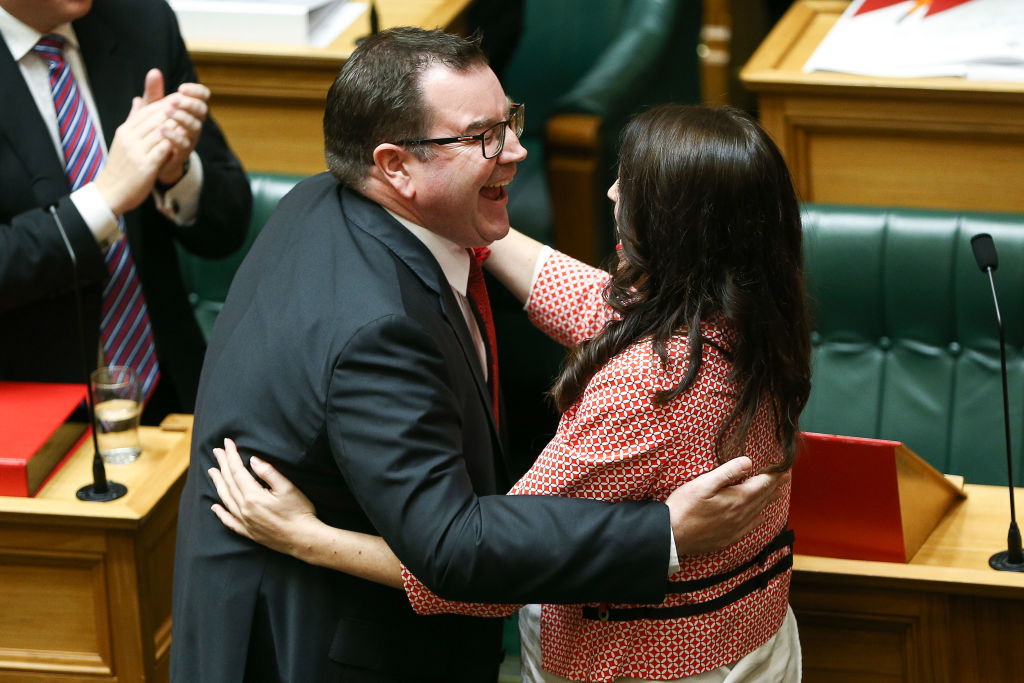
[
  {"x": 710, "y": 229},
  {"x": 377, "y": 98}
]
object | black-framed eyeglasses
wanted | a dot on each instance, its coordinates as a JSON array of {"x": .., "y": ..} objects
[{"x": 492, "y": 140}]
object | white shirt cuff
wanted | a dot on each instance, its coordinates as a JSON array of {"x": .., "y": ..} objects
[
  {"x": 538, "y": 265},
  {"x": 180, "y": 203},
  {"x": 96, "y": 214},
  {"x": 673, "y": 556}
]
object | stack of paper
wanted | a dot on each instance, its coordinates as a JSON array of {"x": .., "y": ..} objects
[
  {"x": 982, "y": 39},
  {"x": 297, "y": 22}
]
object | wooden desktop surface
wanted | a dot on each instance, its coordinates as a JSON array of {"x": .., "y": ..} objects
[
  {"x": 269, "y": 99},
  {"x": 955, "y": 556},
  {"x": 943, "y": 617},
  {"x": 87, "y": 586},
  {"x": 943, "y": 143}
]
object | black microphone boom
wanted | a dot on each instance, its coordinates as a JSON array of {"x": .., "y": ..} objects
[
  {"x": 100, "y": 490},
  {"x": 1011, "y": 559}
]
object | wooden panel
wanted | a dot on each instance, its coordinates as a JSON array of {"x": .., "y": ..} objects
[
  {"x": 155, "y": 558},
  {"x": 573, "y": 153},
  {"x": 714, "y": 52},
  {"x": 280, "y": 136},
  {"x": 947, "y": 171},
  {"x": 86, "y": 586},
  {"x": 269, "y": 99},
  {"x": 865, "y": 634},
  {"x": 55, "y": 612},
  {"x": 945, "y": 143},
  {"x": 987, "y": 635}
]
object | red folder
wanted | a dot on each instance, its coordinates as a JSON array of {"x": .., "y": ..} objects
[
  {"x": 865, "y": 499},
  {"x": 35, "y": 434}
]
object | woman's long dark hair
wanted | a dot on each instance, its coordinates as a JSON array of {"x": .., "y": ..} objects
[{"x": 710, "y": 229}]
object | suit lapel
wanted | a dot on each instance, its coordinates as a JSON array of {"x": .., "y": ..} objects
[
  {"x": 371, "y": 218},
  {"x": 27, "y": 136},
  {"x": 111, "y": 72}
]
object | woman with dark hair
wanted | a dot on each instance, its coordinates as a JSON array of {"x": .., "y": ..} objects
[{"x": 694, "y": 351}]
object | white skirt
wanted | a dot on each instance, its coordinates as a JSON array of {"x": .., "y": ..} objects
[{"x": 779, "y": 659}]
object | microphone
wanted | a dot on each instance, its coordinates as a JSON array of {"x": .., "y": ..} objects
[
  {"x": 100, "y": 490},
  {"x": 1011, "y": 559},
  {"x": 374, "y": 23}
]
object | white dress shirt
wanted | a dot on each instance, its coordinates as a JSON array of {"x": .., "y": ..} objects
[{"x": 454, "y": 262}]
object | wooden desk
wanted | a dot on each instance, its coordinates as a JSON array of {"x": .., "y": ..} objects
[
  {"x": 85, "y": 588},
  {"x": 945, "y": 617},
  {"x": 944, "y": 143},
  {"x": 269, "y": 99}
]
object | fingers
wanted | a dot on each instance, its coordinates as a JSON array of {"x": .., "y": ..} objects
[
  {"x": 188, "y": 121},
  {"x": 766, "y": 487},
  {"x": 265, "y": 471},
  {"x": 224, "y": 482},
  {"x": 153, "y": 88},
  {"x": 244, "y": 483},
  {"x": 229, "y": 520},
  {"x": 178, "y": 136},
  {"x": 725, "y": 475},
  {"x": 223, "y": 491},
  {"x": 195, "y": 90}
]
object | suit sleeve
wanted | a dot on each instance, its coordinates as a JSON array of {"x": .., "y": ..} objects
[
  {"x": 34, "y": 259},
  {"x": 395, "y": 428},
  {"x": 615, "y": 449},
  {"x": 225, "y": 201}
]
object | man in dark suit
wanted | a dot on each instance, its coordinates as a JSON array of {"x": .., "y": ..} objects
[
  {"x": 348, "y": 355},
  {"x": 168, "y": 176}
]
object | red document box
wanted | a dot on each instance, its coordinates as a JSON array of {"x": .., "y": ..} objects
[
  {"x": 865, "y": 499},
  {"x": 34, "y": 434}
]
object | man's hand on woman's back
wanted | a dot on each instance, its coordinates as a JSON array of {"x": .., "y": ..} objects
[{"x": 719, "y": 507}]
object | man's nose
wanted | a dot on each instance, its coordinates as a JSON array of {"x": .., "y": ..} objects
[{"x": 513, "y": 150}]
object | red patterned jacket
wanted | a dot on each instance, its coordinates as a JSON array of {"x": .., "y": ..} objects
[{"x": 616, "y": 444}]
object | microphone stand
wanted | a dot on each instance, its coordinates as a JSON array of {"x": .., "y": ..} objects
[
  {"x": 1011, "y": 559},
  {"x": 100, "y": 490}
]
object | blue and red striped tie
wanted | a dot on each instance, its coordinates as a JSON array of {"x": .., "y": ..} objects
[{"x": 124, "y": 327}]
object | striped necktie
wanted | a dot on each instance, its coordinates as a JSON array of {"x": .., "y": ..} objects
[
  {"x": 476, "y": 291},
  {"x": 124, "y": 327}
]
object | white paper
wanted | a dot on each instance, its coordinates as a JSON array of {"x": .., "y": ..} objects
[
  {"x": 296, "y": 22},
  {"x": 910, "y": 39}
]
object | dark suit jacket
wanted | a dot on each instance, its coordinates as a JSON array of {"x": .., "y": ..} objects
[
  {"x": 342, "y": 357},
  {"x": 120, "y": 41}
]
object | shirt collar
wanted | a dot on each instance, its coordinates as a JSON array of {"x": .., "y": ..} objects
[
  {"x": 453, "y": 259},
  {"x": 21, "y": 38}
]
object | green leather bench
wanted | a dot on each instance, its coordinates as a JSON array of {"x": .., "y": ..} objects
[
  {"x": 906, "y": 345},
  {"x": 207, "y": 281},
  {"x": 905, "y": 339}
]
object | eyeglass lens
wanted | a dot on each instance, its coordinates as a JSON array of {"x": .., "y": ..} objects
[{"x": 494, "y": 137}]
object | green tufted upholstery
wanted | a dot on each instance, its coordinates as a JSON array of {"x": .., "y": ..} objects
[
  {"x": 608, "y": 59},
  {"x": 207, "y": 281},
  {"x": 905, "y": 343}
]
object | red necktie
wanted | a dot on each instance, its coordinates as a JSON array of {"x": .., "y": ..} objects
[
  {"x": 476, "y": 290},
  {"x": 124, "y": 327}
]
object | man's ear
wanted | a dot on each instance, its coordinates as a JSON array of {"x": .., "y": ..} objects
[{"x": 393, "y": 165}]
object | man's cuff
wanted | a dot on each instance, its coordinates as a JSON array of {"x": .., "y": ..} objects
[
  {"x": 673, "y": 556},
  {"x": 538, "y": 265},
  {"x": 96, "y": 214},
  {"x": 180, "y": 202}
]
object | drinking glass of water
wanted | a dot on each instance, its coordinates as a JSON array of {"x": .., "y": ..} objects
[{"x": 116, "y": 395}]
